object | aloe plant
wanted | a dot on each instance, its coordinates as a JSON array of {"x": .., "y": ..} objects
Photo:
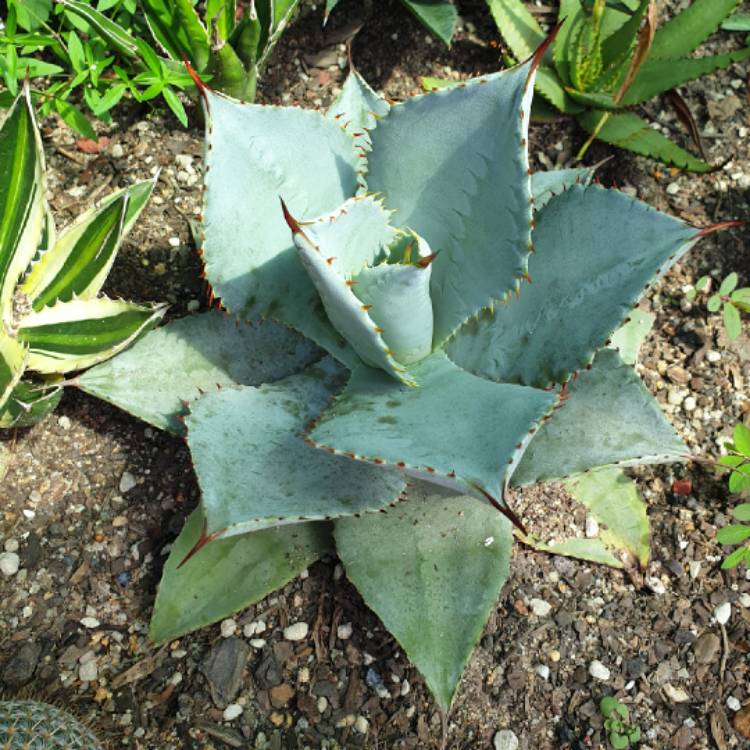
[
  {"x": 609, "y": 58},
  {"x": 425, "y": 375},
  {"x": 439, "y": 17},
  {"x": 52, "y": 317},
  {"x": 231, "y": 47}
]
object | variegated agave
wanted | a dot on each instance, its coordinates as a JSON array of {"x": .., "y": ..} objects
[
  {"x": 53, "y": 318},
  {"x": 416, "y": 230}
]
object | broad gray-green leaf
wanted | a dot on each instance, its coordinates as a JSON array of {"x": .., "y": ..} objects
[
  {"x": 22, "y": 204},
  {"x": 254, "y": 468},
  {"x": 627, "y": 339},
  {"x": 614, "y": 501},
  {"x": 12, "y": 363},
  {"x": 191, "y": 356},
  {"x": 545, "y": 185},
  {"x": 456, "y": 430},
  {"x": 332, "y": 249},
  {"x": 593, "y": 550},
  {"x": 609, "y": 417},
  {"x": 472, "y": 204},
  {"x": 439, "y": 16},
  {"x": 73, "y": 335},
  {"x": 255, "y": 154},
  {"x": 597, "y": 251},
  {"x": 227, "y": 575},
  {"x": 29, "y": 403},
  {"x": 79, "y": 261},
  {"x": 432, "y": 569}
]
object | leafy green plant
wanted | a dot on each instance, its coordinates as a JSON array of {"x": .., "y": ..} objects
[
  {"x": 31, "y": 725},
  {"x": 737, "y": 461},
  {"x": 439, "y": 17},
  {"x": 52, "y": 317},
  {"x": 730, "y": 300},
  {"x": 620, "y": 732},
  {"x": 431, "y": 375},
  {"x": 609, "y": 57},
  {"x": 230, "y": 50}
]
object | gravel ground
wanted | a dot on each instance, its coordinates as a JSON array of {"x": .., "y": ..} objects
[{"x": 93, "y": 498}]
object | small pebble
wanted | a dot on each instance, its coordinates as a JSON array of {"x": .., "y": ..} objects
[
  {"x": 10, "y": 562},
  {"x": 722, "y": 613},
  {"x": 505, "y": 740},
  {"x": 592, "y": 527},
  {"x": 744, "y": 600},
  {"x": 174, "y": 241},
  {"x": 232, "y": 711},
  {"x": 322, "y": 704},
  {"x": 543, "y": 671},
  {"x": 713, "y": 356},
  {"x": 64, "y": 422},
  {"x": 258, "y": 642},
  {"x": 676, "y": 694},
  {"x": 11, "y": 545},
  {"x": 87, "y": 672},
  {"x": 695, "y": 568},
  {"x": 228, "y": 628},
  {"x": 90, "y": 622},
  {"x": 733, "y": 703},
  {"x": 296, "y": 632},
  {"x": 598, "y": 671},
  {"x": 673, "y": 188},
  {"x": 656, "y": 585},
  {"x": 689, "y": 404},
  {"x": 344, "y": 632},
  {"x": 361, "y": 725},
  {"x": 117, "y": 151},
  {"x": 127, "y": 482},
  {"x": 540, "y": 608}
]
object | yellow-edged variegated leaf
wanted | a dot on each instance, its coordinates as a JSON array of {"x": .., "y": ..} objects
[
  {"x": 77, "y": 334},
  {"x": 12, "y": 362},
  {"x": 78, "y": 264},
  {"x": 22, "y": 205}
]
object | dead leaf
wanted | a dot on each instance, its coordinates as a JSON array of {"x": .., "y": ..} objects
[
  {"x": 140, "y": 669},
  {"x": 92, "y": 147}
]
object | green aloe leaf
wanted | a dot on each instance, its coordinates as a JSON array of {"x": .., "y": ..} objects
[
  {"x": 229, "y": 74},
  {"x": 77, "y": 334},
  {"x": 480, "y": 128},
  {"x": 518, "y": 27},
  {"x": 685, "y": 32},
  {"x": 455, "y": 429},
  {"x": 657, "y": 76},
  {"x": 452, "y": 556},
  {"x": 12, "y": 363},
  {"x": 188, "y": 357},
  {"x": 587, "y": 273},
  {"x": 22, "y": 203},
  {"x": 627, "y": 339},
  {"x": 614, "y": 501},
  {"x": 737, "y": 22},
  {"x": 609, "y": 417},
  {"x": 254, "y": 156},
  {"x": 633, "y": 133},
  {"x": 548, "y": 84},
  {"x": 439, "y": 16},
  {"x": 178, "y": 29},
  {"x": 331, "y": 249},
  {"x": 249, "y": 431},
  {"x": 546, "y": 185},
  {"x": 618, "y": 46},
  {"x": 249, "y": 567},
  {"x": 29, "y": 403}
]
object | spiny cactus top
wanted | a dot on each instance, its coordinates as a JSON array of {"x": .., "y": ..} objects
[
  {"x": 462, "y": 301},
  {"x": 30, "y": 725}
]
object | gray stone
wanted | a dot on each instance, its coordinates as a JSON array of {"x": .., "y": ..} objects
[
  {"x": 19, "y": 669},
  {"x": 505, "y": 740},
  {"x": 223, "y": 667},
  {"x": 706, "y": 648}
]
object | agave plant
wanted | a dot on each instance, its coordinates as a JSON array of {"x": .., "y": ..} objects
[
  {"x": 404, "y": 249},
  {"x": 52, "y": 317},
  {"x": 609, "y": 57}
]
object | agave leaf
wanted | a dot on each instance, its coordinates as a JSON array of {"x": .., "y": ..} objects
[
  {"x": 248, "y": 567},
  {"x": 399, "y": 297},
  {"x": 452, "y": 556},
  {"x": 439, "y": 16},
  {"x": 549, "y": 86},
  {"x": 618, "y": 46},
  {"x": 591, "y": 272},
  {"x": 333, "y": 248},
  {"x": 608, "y": 418},
  {"x": 519, "y": 28},
  {"x": 177, "y": 28},
  {"x": 257, "y": 432},
  {"x": 178, "y": 362},
  {"x": 614, "y": 501},
  {"x": 627, "y": 339},
  {"x": 455, "y": 429},
  {"x": 254, "y": 155},
  {"x": 473, "y": 204},
  {"x": 29, "y": 403},
  {"x": 229, "y": 74},
  {"x": 77, "y": 334},
  {"x": 684, "y": 33},
  {"x": 22, "y": 205},
  {"x": 593, "y": 550},
  {"x": 13, "y": 357},
  {"x": 633, "y": 133},
  {"x": 546, "y": 185},
  {"x": 572, "y": 16},
  {"x": 657, "y": 76}
]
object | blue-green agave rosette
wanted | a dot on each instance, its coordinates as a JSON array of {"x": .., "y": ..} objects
[{"x": 422, "y": 324}]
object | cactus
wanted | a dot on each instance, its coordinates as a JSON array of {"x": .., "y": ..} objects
[
  {"x": 52, "y": 319},
  {"x": 404, "y": 247},
  {"x": 31, "y": 725}
]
